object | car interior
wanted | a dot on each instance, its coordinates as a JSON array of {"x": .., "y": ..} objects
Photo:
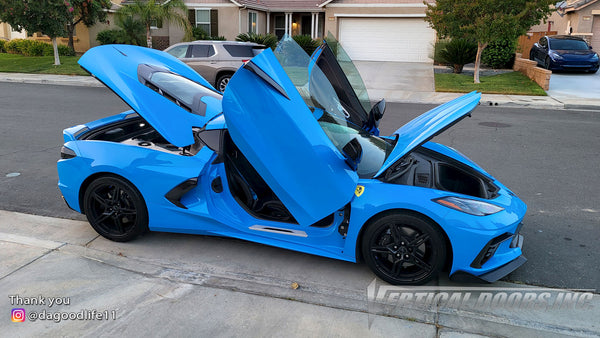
[{"x": 249, "y": 189}]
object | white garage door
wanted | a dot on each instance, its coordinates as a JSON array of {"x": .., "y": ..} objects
[{"x": 387, "y": 39}]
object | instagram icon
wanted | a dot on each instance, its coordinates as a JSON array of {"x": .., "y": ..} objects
[{"x": 18, "y": 315}]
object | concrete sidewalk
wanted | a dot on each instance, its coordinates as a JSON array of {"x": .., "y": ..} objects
[
  {"x": 65, "y": 80},
  {"x": 185, "y": 285},
  {"x": 378, "y": 87}
]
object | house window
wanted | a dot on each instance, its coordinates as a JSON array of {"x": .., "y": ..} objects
[
  {"x": 279, "y": 26},
  {"x": 156, "y": 24},
  {"x": 252, "y": 22},
  {"x": 203, "y": 20}
]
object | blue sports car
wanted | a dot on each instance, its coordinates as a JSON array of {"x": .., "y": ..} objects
[{"x": 289, "y": 156}]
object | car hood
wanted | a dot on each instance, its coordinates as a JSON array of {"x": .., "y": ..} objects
[
  {"x": 428, "y": 125},
  {"x": 118, "y": 67},
  {"x": 574, "y": 52}
]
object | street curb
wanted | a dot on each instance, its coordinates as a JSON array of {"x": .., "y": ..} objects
[
  {"x": 479, "y": 321},
  {"x": 330, "y": 296},
  {"x": 344, "y": 299},
  {"x": 62, "y": 80},
  {"x": 580, "y": 106},
  {"x": 509, "y": 101}
]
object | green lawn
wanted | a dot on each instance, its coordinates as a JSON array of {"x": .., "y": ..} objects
[
  {"x": 13, "y": 63},
  {"x": 507, "y": 83}
]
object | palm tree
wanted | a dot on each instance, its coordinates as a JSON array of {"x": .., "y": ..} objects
[{"x": 151, "y": 12}]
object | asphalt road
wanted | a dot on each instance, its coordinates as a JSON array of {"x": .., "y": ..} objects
[{"x": 549, "y": 158}]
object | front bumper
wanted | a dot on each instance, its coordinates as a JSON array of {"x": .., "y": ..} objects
[
  {"x": 492, "y": 276},
  {"x": 516, "y": 241},
  {"x": 574, "y": 65}
]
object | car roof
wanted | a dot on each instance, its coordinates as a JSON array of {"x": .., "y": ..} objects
[{"x": 220, "y": 42}]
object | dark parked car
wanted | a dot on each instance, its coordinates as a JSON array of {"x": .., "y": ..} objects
[
  {"x": 564, "y": 52},
  {"x": 216, "y": 61}
]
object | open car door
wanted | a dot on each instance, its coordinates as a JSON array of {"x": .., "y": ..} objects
[
  {"x": 349, "y": 86},
  {"x": 162, "y": 89},
  {"x": 274, "y": 128}
]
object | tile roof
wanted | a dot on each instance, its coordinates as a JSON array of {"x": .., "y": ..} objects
[
  {"x": 282, "y": 4},
  {"x": 578, "y": 4}
]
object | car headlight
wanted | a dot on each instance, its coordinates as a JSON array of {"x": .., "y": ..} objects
[
  {"x": 556, "y": 56},
  {"x": 595, "y": 57},
  {"x": 469, "y": 206}
]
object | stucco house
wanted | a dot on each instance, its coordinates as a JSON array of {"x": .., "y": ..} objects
[
  {"x": 575, "y": 17},
  {"x": 373, "y": 30},
  {"x": 7, "y": 32}
]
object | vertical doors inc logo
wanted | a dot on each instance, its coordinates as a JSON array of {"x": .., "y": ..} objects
[{"x": 17, "y": 315}]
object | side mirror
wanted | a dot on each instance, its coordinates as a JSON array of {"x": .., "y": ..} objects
[
  {"x": 590, "y": 46},
  {"x": 375, "y": 115},
  {"x": 353, "y": 153},
  {"x": 378, "y": 110}
]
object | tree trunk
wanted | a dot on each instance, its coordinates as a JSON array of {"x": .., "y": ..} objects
[
  {"x": 148, "y": 37},
  {"x": 480, "y": 47},
  {"x": 55, "y": 48},
  {"x": 70, "y": 29}
]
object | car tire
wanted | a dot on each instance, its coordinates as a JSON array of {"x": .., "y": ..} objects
[
  {"x": 404, "y": 249},
  {"x": 115, "y": 209},
  {"x": 222, "y": 82},
  {"x": 547, "y": 63}
]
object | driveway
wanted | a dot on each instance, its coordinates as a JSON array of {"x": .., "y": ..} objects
[
  {"x": 388, "y": 79},
  {"x": 574, "y": 86}
]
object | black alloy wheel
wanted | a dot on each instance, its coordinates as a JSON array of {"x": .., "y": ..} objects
[
  {"x": 404, "y": 249},
  {"x": 115, "y": 209}
]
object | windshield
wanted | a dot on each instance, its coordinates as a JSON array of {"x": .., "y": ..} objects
[
  {"x": 321, "y": 98},
  {"x": 563, "y": 44}
]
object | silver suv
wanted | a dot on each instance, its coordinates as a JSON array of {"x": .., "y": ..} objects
[{"x": 216, "y": 61}]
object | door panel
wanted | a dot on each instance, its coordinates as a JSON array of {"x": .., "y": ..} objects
[
  {"x": 270, "y": 123},
  {"x": 203, "y": 59}
]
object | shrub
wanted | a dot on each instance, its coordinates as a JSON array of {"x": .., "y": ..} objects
[
  {"x": 499, "y": 54},
  {"x": 17, "y": 46},
  {"x": 268, "y": 40},
  {"x": 437, "y": 47},
  {"x": 200, "y": 34},
  {"x": 457, "y": 53},
  {"x": 108, "y": 36},
  {"x": 64, "y": 50},
  {"x": 11, "y": 47},
  {"x": 2, "y": 50},
  {"x": 132, "y": 32},
  {"x": 36, "y": 48},
  {"x": 48, "y": 50},
  {"x": 307, "y": 43}
]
